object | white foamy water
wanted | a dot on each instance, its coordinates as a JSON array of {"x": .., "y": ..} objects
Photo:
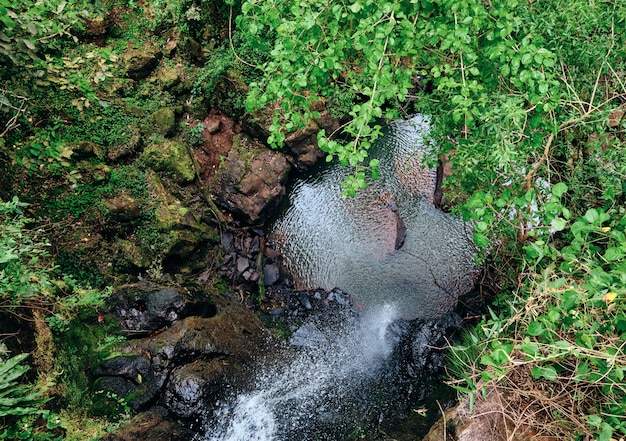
[{"x": 292, "y": 402}]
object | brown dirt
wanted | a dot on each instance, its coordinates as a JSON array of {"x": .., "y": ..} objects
[{"x": 217, "y": 144}]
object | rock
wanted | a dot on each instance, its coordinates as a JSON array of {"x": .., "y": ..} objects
[
  {"x": 123, "y": 207},
  {"x": 131, "y": 254},
  {"x": 131, "y": 377},
  {"x": 139, "y": 63},
  {"x": 487, "y": 421},
  {"x": 214, "y": 124},
  {"x": 302, "y": 143},
  {"x": 170, "y": 47},
  {"x": 271, "y": 273},
  {"x": 204, "y": 359},
  {"x": 164, "y": 121},
  {"x": 167, "y": 77},
  {"x": 152, "y": 425},
  {"x": 133, "y": 144},
  {"x": 242, "y": 264},
  {"x": 171, "y": 158},
  {"x": 94, "y": 27},
  {"x": 250, "y": 181},
  {"x": 87, "y": 149},
  {"x": 143, "y": 307},
  {"x": 308, "y": 335}
]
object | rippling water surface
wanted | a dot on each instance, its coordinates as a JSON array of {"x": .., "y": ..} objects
[{"x": 350, "y": 243}]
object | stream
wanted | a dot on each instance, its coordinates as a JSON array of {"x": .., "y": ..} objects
[{"x": 389, "y": 251}]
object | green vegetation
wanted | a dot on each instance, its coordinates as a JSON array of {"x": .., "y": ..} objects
[{"x": 527, "y": 99}]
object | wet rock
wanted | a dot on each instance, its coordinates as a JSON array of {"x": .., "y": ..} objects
[
  {"x": 152, "y": 425},
  {"x": 129, "y": 376},
  {"x": 205, "y": 358},
  {"x": 139, "y": 63},
  {"x": 191, "y": 385},
  {"x": 171, "y": 158},
  {"x": 309, "y": 336},
  {"x": 250, "y": 182},
  {"x": 123, "y": 207},
  {"x": 271, "y": 273},
  {"x": 132, "y": 368}
]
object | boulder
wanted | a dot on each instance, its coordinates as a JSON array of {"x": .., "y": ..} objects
[
  {"x": 301, "y": 143},
  {"x": 164, "y": 121},
  {"x": 141, "y": 308},
  {"x": 170, "y": 157},
  {"x": 139, "y": 63},
  {"x": 123, "y": 207},
  {"x": 251, "y": 181}
]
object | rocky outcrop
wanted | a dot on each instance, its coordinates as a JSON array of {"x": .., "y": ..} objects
[
  {"x": 251, "y": 181},
  {"x": 486, "y": 420},
  {"x": 300, "y": 144},
  {"x": 189, "y": 355}
]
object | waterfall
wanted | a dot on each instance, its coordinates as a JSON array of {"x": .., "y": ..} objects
[
  {"x": 388, "y": 247},
  {"x": 319, "y": 387}
]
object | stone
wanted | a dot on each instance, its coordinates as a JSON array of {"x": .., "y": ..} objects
[
  {"x": 171, "y": 158},
  {"x": 87, "y": 149},
  {"x": 250, "y": 182},
  {"x": 167, "y": 77},
  {"x": 164, "y": 121},
  {"x": 133, "y": 144},
  {"x": 242, "y": 264},
  {"x": 139, "y": 63},
  {"x": 152, "y": 425},
  {"x": 271, "y": 273},
  {"x": 123, "y": 207},
  {"x": 308, "y": 335},
  {"x": 143, "y": 307},
  {"x": 487, "y": 421}
]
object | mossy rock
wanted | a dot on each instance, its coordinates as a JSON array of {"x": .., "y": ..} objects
[
  {"x": 167, "y": 77},
  {"x": 139, "y": 63},
  {"x": 164, "y": 121},
  {"x": 171, "y": 158},
  {"x": 178, "y": 229}
]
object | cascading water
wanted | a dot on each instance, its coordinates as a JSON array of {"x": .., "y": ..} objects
[
  {"x": 311, "y": 395},
  {"x": 390, "y": 248}
]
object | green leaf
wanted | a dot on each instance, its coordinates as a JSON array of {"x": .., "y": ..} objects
[
  {"x": 536, "y": 329},
  {"x": 612, "y": 254},
  {"x": 547, "y": 372},
  {"x": 558, "y": 224},
  {"x": 559, "y": 189}
]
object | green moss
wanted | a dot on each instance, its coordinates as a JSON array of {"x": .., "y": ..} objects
[{"x": 171, "y": 158}]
